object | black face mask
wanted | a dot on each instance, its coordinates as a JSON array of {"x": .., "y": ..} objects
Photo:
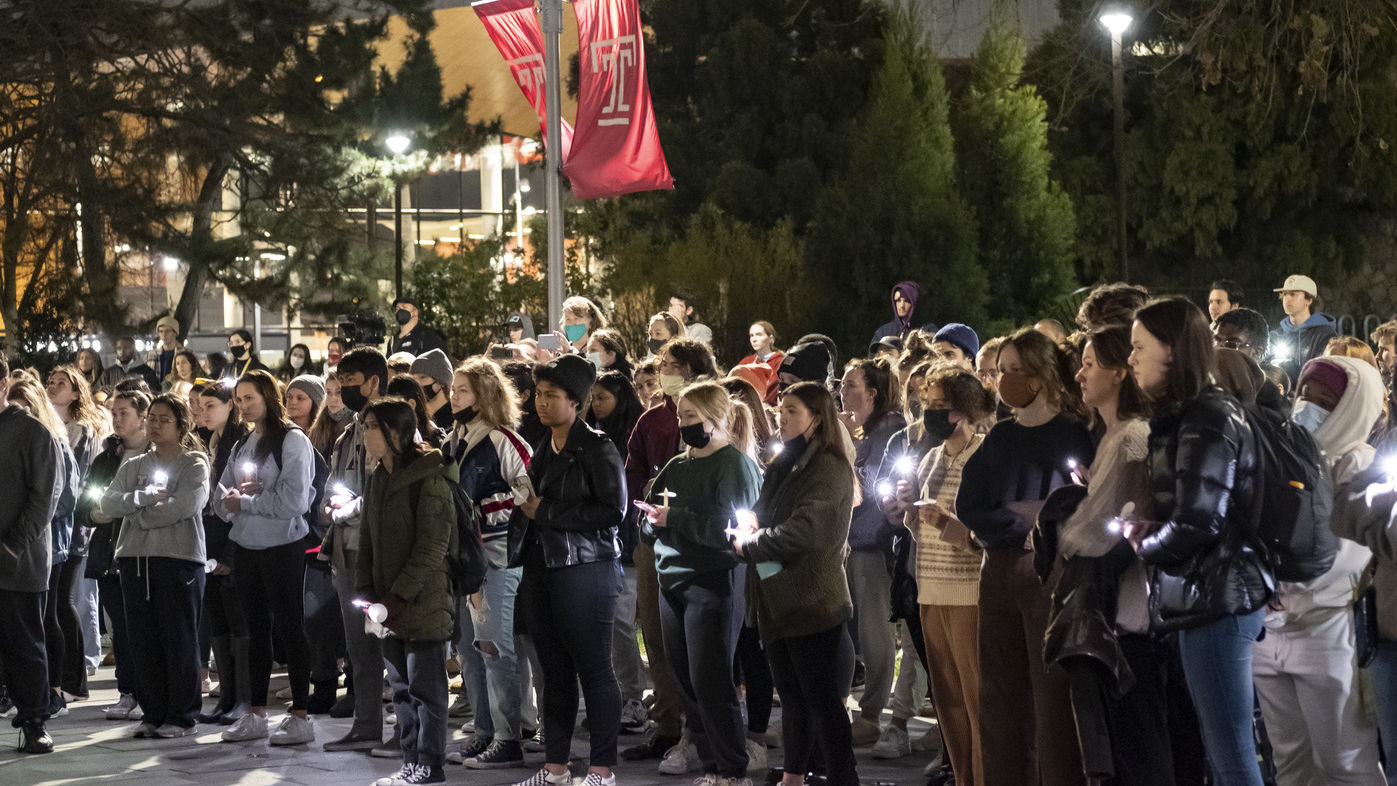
[
  {"x": 795, "y": 448},
  {"x": 937, "y": 423},
  {"x": 431, "y": 390},
  {"x": 238, "y": 351},
  {"x": 656, "y": 344},
  {"x": 694, "y": 436},
  {"x": 354, "y": 398},
  {"x": 464, "y": 416},
  {"x": 403, "y": 316}
]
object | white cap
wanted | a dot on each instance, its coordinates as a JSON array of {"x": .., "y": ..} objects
[{"x": 1299, "y": 284}]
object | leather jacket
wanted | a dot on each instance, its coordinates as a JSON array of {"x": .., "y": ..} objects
[
  {"x": 1204, "y": 562},
  {"x": 582, "y": 492}
]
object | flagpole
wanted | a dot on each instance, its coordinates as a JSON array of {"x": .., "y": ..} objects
[{"x": 551, "y": 12}]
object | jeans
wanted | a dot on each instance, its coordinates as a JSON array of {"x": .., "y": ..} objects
[
  {"x": 270, "y": 586},
  {"x": 489, "y": 662},
  {"x": 163, "y": 596},
  {"x": 1217, "y": 659},
  {"x": 89, "y": 614},
  {"x": 570, "y": 612},
  {"x": 701, "y": 621},
  {"x": 870, "y": 583},
  {"x": 365, "y": 655},
  {"x": 23, "y": 663},
  {"x": 812, "y": 675},
  {"x": 1384, "y": 673},
  {"x": 417, "y": 675},
  {"x": 625, "y": 647}
]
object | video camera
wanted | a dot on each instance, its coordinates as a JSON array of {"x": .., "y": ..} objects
[{"x": 361, "y": 328}]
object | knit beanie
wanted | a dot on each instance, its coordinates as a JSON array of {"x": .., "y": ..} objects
[
  {"x": 958, "y": 335},
  {"x": 761, "y": 377},
  {"x": 310, "y": 385},
  {"x": 573, "y": 373},
  {"x": 809, "y": 361},
  {"x": 435, "y": 364},
  {"x": 1326, "y": 373}
]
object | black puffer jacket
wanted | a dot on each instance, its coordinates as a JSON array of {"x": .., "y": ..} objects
[
  {"x": 1203, "y": 558},
  {"x": 583, "y": 502},
  {"x": 101, "y": 547}
]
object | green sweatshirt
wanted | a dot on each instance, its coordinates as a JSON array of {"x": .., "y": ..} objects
[{"x": 706, "y": 491}]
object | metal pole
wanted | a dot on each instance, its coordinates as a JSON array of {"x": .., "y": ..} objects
[
  {"x": 257, "y": 310},
  {"x": 552, "y": 24},
  {"x": 397, "y": 238},
  {"x": 1118, "y": 99}
]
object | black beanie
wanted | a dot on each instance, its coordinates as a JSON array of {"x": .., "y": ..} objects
[
  {"x": 809, "y": 361},
  {"x": 573, "y": 373}
]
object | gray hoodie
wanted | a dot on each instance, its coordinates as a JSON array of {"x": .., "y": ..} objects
[
  {"x": 277, "y": 515},
  {"x": 156, "y": 525}
]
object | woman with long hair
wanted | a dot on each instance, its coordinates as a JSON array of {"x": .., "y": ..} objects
[
  {"x": 607, "y": 351},
  {"x": 183, "y": 372},
  {"x": 692, "y": 504},
  {"x": 1208, "y": 580},
  {"x": 762, "y": 336},
  {"x": 662, "y": 329},
  {"x": 331, "y": 420},
  {"x": 296, "y": 363},
  {"x": 228, "y": 633},
  {"x": 614, "y": 407},
  {"x": 159, "y": 496},
  {"x": 305, "y": 395},
  {"x": 89, "y": 362},
  {"x": 85, "y": 422},
  {"x": 1024, "y": 705},
  {"x": 409, "y": 520},
  {"x": 266, "y": 500},
  {"x": 795, "y": 553},
  {"x": 410, "y": 390}
]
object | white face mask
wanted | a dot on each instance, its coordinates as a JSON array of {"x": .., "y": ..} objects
[
  {"x": 1309, "y": 414},
  {"x": 297, "y": 361}
]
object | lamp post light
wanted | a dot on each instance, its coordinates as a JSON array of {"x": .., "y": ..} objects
[
  {"x": 397, "y": 143},
  {"x": 1116, "y": 23}
]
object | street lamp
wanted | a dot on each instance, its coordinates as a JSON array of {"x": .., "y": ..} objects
[
  {"x": 397, "y": 143},
  {"x": 1117, "y": 22}
]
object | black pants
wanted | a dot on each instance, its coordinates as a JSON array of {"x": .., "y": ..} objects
[
  {"x": 323, "y": 625},
  {"x": 62, "y": 631},
  {"x": 270, "y": 586},
  {"x": 756, "y": 675},
  {"x": 163, "y": 597},
  {"x": 812, "y": 675},
  {"x": 23, "y": 662},
  {"x": 109, "y": 596},
  {"x": 700, "y": 622},
  {"x": 570, "y": 613},
  {"x": 1139, "y": 720}
]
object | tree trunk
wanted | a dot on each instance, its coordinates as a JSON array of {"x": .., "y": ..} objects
[{"x": 200, "y": 243}]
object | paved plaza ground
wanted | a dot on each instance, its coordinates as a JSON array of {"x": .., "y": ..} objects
[{"x": 93, "y": 750}]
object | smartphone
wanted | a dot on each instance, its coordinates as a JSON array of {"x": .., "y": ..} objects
[
  {"x": 501, "y": 353},
  {"x": 550, "y": 342}
]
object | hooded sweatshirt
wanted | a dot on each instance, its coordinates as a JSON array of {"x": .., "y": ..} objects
[
  {"x": 1343, "y": 438},
  {"x": 171, "y": 526},
  {"x": 277, "y": 515},
  {"x": 1306, "y": 341},
  {"x": 899, "y": 327}
]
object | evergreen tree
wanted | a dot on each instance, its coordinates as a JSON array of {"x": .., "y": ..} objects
[{"x": 1025, "y": 219}]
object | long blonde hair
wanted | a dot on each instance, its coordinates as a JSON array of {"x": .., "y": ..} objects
[
  {"x": 731, "y": 420},
  {"x": 28, "y": 393},
  {"x": 495, "y": 397},
  {"x": 85, "y": 408}
]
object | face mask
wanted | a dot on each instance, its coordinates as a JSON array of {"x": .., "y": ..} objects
[
  {"x": 297, "y": 361},
  {"x": 333, "y": 359},
  {"x": 1309, "y": 414},
  {"x": 795, "y": 448},
  {"x": 1016, "y": 390},
  {"x": 937, "y": 423},
  {"x": 354, "y": 398},
  {"x": 595, "y": 357},
  {"x": 403, "y": 316},
  {"x": 574, "y": 332},
  {"x": 671, "y": 385},
  {"x": 464, "y": 416},
  {"x": 343, "y": 415},
  {"x": 694, "y": 436},
  {"x": 656, "y": 344},
  {"x": 431, "y": 390},
  {"x": 238, "y": 351}
]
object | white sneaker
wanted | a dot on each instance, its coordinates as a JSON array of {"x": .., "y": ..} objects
[
  {"x": 392, "y": 780},
  {"x": 682, "y": 759},
  {"x": 594, "y": 779},
  {"x": 708, "y": 779},
  {"x": 756, "y": 756},
  {"x": 283, "y": 694},
  {"x": 633, "y": 717},
  {"x": 250, "y": 726},
  {"x": 744, "y": 781},
  {"x": 545, "y": 778},
  {"x": 893, "y": 743},
  {"x": 122, "y": 709},
  {"x": 293, "y": 730},
  {"x": 171, "y": 731}
]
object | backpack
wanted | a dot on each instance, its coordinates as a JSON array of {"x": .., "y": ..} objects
[
  {"x": 465, "y": 553},
  {"x": 316, "y": 534},
  {"x": 1294, "y": 497}
]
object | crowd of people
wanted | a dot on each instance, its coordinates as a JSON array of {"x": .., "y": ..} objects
[{"x": 1158, "y": 549}]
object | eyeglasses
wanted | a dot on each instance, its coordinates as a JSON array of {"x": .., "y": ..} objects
[
  {"x": 1230, "y": 343},
  {"x": 161, "y": 420}
]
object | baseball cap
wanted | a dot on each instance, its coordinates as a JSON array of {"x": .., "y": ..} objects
[{"x": 1299, "y": 284}]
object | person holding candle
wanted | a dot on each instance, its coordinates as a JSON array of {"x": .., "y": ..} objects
[
  {"x": 266, "y": 501},
  {"x": 159, "y": 496},
  {"x": 702, "y": 588}
]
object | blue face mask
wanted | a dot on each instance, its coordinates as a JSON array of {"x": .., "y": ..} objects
[
  {"x": 574, "y": 332},
  {"x": 1309, "y": 414}
]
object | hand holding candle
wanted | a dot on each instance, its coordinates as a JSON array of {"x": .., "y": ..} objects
[{"x": 250, "y": 484}]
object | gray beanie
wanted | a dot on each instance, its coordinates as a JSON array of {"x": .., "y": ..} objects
[
  {"x": 435, "y": 364},
  {"x": 310, "y": 385}
]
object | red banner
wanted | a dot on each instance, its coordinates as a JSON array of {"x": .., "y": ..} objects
[
  {"x": 513, "y": 26},
  {"x": 616, "y": 146}
]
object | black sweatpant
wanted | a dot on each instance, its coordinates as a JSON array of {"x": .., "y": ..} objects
[
  {"x": 812, "y": 675},
  {"x": 270, "y": 586},
  {"x": 163, "y": 597},
  {"x": 110, "y": 597},
  {"x": 1139, "y": 721},
  {"x": 700, "y": 622},
  {"x": 323, "y": 624},
  {"x": 570, "y": 613},
  {"x": 23, "y": 662},
  {"x": 756, "y": 675}
]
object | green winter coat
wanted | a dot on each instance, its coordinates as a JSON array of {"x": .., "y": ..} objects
[{"x": 403, "y": 552}]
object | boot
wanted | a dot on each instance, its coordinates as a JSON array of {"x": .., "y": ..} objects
[
  {"x": 241, "y": 677},
  {"x": 322, "y": 696},
  {"x": 223, "y": 656}
]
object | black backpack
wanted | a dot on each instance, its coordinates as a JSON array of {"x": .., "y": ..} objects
[
  {"x": 316, "y": 535},
  {"x": 465, "y": 553},
  {"x": 1294, "y": 497}
]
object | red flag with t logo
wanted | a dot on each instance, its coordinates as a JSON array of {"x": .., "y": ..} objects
[
  {"x": 616, "y": 146},
  {"x": 513, "y": 26}
]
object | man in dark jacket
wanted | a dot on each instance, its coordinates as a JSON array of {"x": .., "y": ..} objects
[
  {"x": 127, "y": 365},
  {"x": 904, "y": 305},
  {"x": 31, "y": 464},
  {"x": 1304, "y": 332},
  {"x": 413, "y": 337}
]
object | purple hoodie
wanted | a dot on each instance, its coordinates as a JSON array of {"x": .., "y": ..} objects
[{"x": 899, "y": 327}]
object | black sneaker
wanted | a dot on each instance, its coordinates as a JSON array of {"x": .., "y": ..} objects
[
  {"x": 500, "y": 754},
  {"x": 654, "y": 747},
  {"x": 58, "y": 706},
  {"x": 34, "y": 738},
  {"x": 422, "y": 773},
  {"x": 473, "y": 747},
  {"x": 343, "y": 707}
]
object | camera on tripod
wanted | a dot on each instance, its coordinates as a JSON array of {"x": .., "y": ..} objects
[{"x": 361, "y": 328}]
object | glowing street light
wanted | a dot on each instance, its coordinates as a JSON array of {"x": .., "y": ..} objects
[
  {"x": 398, "y": 143},
  {"x": 1116, "y": 21}
]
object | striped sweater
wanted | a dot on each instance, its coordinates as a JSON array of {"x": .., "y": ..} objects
[
  {"x": 948, "y": 563},
  {"x": 492, "y": 461}
]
